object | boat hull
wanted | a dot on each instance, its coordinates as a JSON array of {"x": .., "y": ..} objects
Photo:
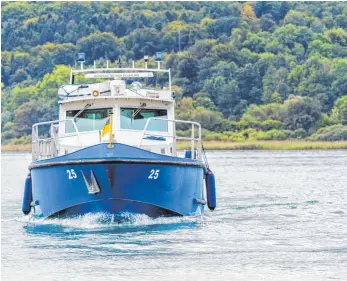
[{"x": 154, "y": 186}]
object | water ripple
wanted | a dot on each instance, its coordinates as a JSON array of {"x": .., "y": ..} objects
[{"x": 281, "y": 215}]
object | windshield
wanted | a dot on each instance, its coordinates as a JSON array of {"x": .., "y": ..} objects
[
  {"x": 88, "y": 120},
  {"x": 135, "y": 119}
]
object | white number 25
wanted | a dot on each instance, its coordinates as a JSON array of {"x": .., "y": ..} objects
[
  {"x": 71, "y": 173},
  {"x": 154, "y": 174}
]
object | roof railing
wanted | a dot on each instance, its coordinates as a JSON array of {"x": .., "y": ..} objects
[{"x": 118, "y": 70}]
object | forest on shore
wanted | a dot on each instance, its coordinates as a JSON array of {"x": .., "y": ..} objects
[{"x": 244, "y": 70}]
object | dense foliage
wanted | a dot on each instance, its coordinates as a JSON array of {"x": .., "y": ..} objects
[{"x": 246, "y": 70}]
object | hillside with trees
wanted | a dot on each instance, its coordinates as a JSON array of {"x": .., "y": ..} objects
[{"x": 245, "y": 70}]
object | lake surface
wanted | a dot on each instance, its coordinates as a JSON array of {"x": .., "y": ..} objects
[{"x": 281, "y": 215}]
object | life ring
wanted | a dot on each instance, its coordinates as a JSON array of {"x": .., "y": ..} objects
[{"x": 95, "y": 93}]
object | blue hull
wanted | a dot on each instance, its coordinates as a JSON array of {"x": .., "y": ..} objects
[{"x": 117, "y": 180}]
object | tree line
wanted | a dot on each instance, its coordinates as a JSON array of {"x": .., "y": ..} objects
[{"x": 245, "y": 70}]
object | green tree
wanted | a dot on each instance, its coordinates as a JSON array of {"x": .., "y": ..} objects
[
  {"x": 232, "y": 55},
  {"x": 276, "y": 98},
  {"x": 207, "y": 118},
  {"x": 28, "y": 114},
  {"x": 275, "y": 80},
  {"x": 22, "y": 95},
  {"x": 340, "y": 109},
  {"x": 100, "y": 45},
  {"x": 47, "y": 89},
  {"x": 144, "y": 41},
  {"x": 301, "y": 113}
]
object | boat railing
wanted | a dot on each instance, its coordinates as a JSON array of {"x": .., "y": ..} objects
[
  {"x": 195, "y": 139},
  {"x": 47, "y": 146},
  {"x": 117, "y": 70}
]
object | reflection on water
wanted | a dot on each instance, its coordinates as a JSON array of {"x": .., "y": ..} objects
[{"x": 281, "y": 215}]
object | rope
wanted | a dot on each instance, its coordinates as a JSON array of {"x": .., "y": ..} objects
[{"x": 204, "y": 155}]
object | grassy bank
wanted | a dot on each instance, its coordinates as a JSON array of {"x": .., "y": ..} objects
[
  {"x": 227, "y": 145},
  {"x": 268, "y": 145}
]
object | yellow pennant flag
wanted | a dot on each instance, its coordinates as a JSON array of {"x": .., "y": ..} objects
[{"x": 106, "y": 129}]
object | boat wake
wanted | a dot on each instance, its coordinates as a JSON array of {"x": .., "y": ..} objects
[{"x": 106, "y": 222}]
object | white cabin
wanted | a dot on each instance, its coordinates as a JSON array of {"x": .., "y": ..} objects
[{"x": 141, "y": 116}]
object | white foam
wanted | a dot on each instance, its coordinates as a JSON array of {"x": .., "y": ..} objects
[{"x": 102, "y": 220}]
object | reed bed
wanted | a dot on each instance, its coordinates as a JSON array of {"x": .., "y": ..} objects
[
  {"x": 268, "y": 145},
  {"x": 228, "y": 145},
  {"x": 16, "y": 148}
]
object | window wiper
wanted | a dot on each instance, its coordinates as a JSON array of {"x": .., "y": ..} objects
[
  {"x": 137, "y": 111},
  {"x": 79, "y": 112}
]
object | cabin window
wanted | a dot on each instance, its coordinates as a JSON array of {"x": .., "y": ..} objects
[
  {"x": 136, "y": 118},
  {"x": 88, "y": 119}
]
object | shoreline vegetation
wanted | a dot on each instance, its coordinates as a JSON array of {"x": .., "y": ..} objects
[
  {"x": 246, "y": 71},
  {"x": 16, "y": 148},
  {"x": 229, "y": 145},
  {"x": 268, "y": 145}
]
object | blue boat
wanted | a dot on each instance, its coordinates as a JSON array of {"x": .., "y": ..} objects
[{"x": 114, "y": 150}]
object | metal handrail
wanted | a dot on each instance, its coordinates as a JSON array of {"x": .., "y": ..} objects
[
  {"x": 86, "y": 70},
  {"x": 192, "y": 138},
  {"x": 36, "y": 139},
  {"x": 91, "y": 70}
]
